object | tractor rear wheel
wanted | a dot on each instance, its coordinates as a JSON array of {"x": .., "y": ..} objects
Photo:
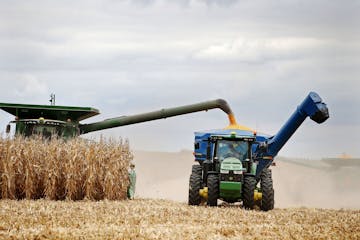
[
  {"x": 196, "y": 169},
  {"x": 213, "y": 190},
  {"x": 248, "y": 192},
  {"x": 194, "y": 188},
  {"x": 266, "y": 185}
]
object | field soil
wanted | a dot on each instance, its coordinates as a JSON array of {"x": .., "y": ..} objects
[
  {"x": 165, "y": 219},
  {"x": 312, "y": 201}
]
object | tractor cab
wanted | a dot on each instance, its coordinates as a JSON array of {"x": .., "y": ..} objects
[
  {"x": 222, "y": 144},
  {"x": 232, "y": 154}
]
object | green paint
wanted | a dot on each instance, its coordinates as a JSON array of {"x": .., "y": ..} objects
[
  {"x": 231, "y": 164},
  {"x": 60, "y": 113},
  {"x": 155, "y": 115},
  {"x": 230, "y": 190},
  {"x": 64, "y": 121}
]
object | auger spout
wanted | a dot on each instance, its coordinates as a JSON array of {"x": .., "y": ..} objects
[{"x": 313, "y": 107}]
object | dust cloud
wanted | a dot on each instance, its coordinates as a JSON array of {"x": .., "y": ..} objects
[{"x": 297, "y": 183}]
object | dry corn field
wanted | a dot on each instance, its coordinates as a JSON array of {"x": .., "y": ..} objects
[
  {"x": 164, "y": 219},
  {"x": 86, "y": 170},
  {"x": 76, "y": 169}
]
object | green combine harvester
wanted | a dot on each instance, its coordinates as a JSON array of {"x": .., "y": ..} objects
[{"x": 65, "y": 121}]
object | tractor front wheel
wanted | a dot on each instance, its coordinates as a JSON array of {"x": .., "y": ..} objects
[
  {"x": 266, "y": 185},
  {"x": 194, "y": 188},
  {"x": 213, "y": 190},
  {"x": 248, "y": 192}
]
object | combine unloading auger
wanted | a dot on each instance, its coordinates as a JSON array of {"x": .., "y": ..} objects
[{"x": 161, "y": 114}]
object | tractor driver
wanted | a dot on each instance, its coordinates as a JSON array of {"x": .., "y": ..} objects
[{"x": 233, "y": 149}]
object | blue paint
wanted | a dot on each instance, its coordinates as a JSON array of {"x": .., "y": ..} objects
[{"x": 312, "y": 107}]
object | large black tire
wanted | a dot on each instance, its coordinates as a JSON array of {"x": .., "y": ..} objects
[
  {"x": 196, "y": 169},
  {"x": 266, "y": 185},
  {"x": 194, "y": 187},
  {"x": 213, "y": 190},
  {"x": 248, "y": 192}
]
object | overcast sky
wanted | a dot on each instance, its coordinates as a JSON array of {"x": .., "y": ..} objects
[{"x": 126, "y": 57}]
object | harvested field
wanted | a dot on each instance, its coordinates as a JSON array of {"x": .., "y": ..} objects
[
  {"x": 163, "y": 219},
  {"x": 295, "y": 185},
  {"x": 81, "y": 169},
  {"x": 76, "y": 169}
]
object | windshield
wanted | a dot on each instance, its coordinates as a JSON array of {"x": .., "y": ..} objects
[
  {"x": 44, "y": 130},
  {"x": 236, "y": 149},
  {"x": 41, "y": 129}
]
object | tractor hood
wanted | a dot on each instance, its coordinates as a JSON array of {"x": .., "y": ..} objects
[{"x": 231, "y": 164}]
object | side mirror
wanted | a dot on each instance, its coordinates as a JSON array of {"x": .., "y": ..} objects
[
  {"x": 208, "y": 152},
  {"x": 263, "y": 146},
  {"x": 8, "y": 128}
]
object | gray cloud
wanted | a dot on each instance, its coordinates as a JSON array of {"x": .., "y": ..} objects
[
  {"x": 127, "y": 57},
  {"x": 221, "y": 2}
]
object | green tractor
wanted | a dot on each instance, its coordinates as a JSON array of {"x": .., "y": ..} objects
[
  {"x": 228, "y": 170},
  {"x": 233, "y": 163}
]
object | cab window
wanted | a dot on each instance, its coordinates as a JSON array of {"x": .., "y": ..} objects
[{"x": 236, "y": 149}]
